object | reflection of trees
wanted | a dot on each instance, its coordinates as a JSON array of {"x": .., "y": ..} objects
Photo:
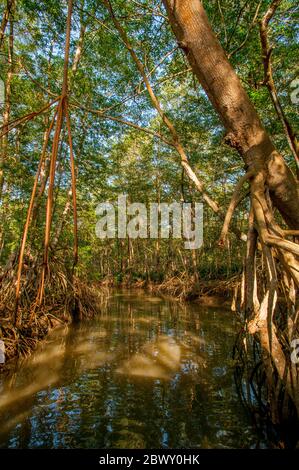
[{"x": 91, "y": 405}]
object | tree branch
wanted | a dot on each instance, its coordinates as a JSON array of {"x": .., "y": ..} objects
[{"x": 269, "y": 81}]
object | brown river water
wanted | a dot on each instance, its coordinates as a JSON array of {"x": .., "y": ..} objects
[{"x": 147, "y": 372}]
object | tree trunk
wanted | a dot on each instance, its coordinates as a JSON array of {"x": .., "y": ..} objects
[
  {"x": 271, "y": 181},
  {"x": 269, "y": 81},
  {"x": 226, "y": 93}
]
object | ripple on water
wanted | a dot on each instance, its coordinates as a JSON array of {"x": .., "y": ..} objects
[{"x": 146, "y": 373}]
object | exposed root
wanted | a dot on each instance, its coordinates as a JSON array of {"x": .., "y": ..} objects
[
  {"x": 185, "y": 287},
  {"x": 64, "y": 301},
  {"x": 269, "y": 403}
]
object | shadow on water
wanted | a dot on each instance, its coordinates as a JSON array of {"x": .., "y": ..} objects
[{"x": 146, "y": 373}]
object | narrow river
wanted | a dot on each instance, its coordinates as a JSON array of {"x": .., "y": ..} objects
[{"x": 146, "y": 373}]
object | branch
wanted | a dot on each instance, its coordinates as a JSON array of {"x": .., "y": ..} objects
[
  {"x": 27, "y": 117},
  {"x": 102, "y": 115},
  {"x": 281, "y": 243},
  {"x": 157, "y": 105},
  {"x": 289, "y": 233},
  {"x": 243, "y": 8},
  {"x": 60, "y": 114},
  {"x": 28, "y": 73},
  {"x": 269, "y": 81},
  {"x": 286, "y": 249},
  {"x": 4, "y": 22},
  {"x": 248, "y": 32},
  {"x": 74, "y": 196},
  {"x": 29, "y": 217},
  {"x": 235, "y": 201}
]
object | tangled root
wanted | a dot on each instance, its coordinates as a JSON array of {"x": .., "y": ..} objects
[{"x": 66, "y": 298}]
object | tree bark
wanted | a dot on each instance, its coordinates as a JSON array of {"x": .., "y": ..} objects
[
  {"x": 245, "y": 131},
  {"x": 271, "y": 182}
]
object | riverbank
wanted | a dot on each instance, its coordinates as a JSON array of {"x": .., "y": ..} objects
[
  {"x": 147, "y": 372},
  {"x": 184, "y": 288},
  {"x": 83, "y": 301},
  {"x": 65, "y": 304}
]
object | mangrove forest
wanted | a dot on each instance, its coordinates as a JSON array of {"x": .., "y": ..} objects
[{"x": 149, "y": 225}]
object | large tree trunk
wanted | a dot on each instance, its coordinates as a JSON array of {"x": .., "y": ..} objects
[
  {"x": 271, "y": 182},
  {"x": 225, "y": 91}
]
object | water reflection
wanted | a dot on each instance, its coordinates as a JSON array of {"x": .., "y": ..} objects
[
  {"x": 146, "y": 373},
  {"x": 159, "y": 359}
]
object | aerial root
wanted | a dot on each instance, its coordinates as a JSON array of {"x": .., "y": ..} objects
[{"x": 63, "y": 293}]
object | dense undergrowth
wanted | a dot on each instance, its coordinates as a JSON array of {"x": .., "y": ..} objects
[{"x": 67, "y": 299}]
